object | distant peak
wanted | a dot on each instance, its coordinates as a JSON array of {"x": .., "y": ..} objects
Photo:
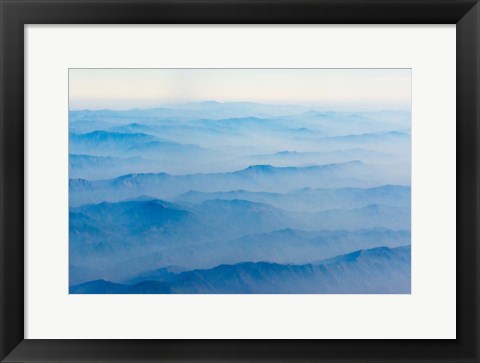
[
  {"x": 270, "y": 168},
  {"x": 104, "y": 134},
  {"x": 260, "y": 167},
  {"x": 252, "y": 169},
  {"x": 141, "y": 198}
]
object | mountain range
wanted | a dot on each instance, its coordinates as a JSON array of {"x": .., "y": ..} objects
[
  {"x": 257, "y": 178},
  {"x": 311, "y": 199},
  {"x": 239, "y": 197},
  {"x": 215, "y": 231},
  {"x": 380, "y": 270}
]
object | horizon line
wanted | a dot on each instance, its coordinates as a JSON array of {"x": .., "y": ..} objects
[{"x": 309, "y": 106}]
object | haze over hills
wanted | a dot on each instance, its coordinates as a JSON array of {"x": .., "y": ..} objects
[
  {"x": 239, "y": 197},
  {"x": 217, "y": 231},
  {"x": 311, "y": 199},
  {"x": 295, "y": 158},
  {"x": 287, "y": 246},
  {"x": 190, "y": 111},
  {"x": 104, "y": 167},
  {"x": 256, "y": 178},
  {"x": 378, "y": 270},
  {"x": 104, "y": 143},
  {"x": 239, "y": 140}
]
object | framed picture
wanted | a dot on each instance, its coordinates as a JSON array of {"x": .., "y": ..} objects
[{"x": 240, "y": 181}]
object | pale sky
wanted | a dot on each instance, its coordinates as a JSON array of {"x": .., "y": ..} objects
[{"x": 354, "y": 89}]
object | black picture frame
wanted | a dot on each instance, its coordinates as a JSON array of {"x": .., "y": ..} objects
[{"x": 15, "y": 14}]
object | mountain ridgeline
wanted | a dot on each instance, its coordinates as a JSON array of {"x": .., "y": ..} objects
[
  {"x": 239, "y": 198},
  {"x": 379, "y": 270}
]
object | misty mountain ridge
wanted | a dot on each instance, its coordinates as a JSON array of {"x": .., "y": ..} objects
[
  {"x": 379, "y": 270},
  {"x": 254, "y": 178},
  {"x": 179, "y": 234},
  {"x": 214, "y": 110},
  {"x": 311, "y": 199}
]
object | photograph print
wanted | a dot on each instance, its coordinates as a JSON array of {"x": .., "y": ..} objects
[{"x": 239, "y": 181}]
